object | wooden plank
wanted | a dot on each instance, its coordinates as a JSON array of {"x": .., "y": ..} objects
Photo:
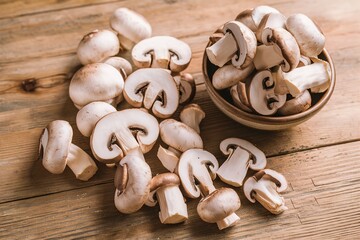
[{"x": 328, "y": 210}]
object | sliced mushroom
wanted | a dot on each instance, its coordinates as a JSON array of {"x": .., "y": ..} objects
[
  {"x": 97, "y": 46},
  {"x": 322, "y": 87},
  {"x": 187, "y": 87},
  {"x": 236, "y": 93},
  {"x": 162, "y": 52},
  {"x": 242, "y": 155},
  {"x": 96, "y": 82},
  {"x": 298, "y": 104},
  {"x": 228, "y": 75},
  {"x": 268, "y": 23},
  {"x": 196, "y": 169},
  {"x": 131, "y": 27},
  {"x": 192, "y": 115},
  {"x": 56, "y": 152},
  {"x": 219, "y": 207},
  {"x": 261, "y": 94},
  {"x": 308, "y": 35},
  {"x": 118, "y": 133},
  {"x": 237, "y": 45},
  {"x": 121, "y": 64},
  {"x": 265, "y": 187},
  {"x": 173, "y": 208},
  {"x": 155, "y": 88},
  {"x": 132, "y": 183}
]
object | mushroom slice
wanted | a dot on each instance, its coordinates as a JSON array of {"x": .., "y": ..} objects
[
  {"x": 96, "y": 82},
  {"x": 268, "y": 23},
  {"x": 237, "y": 45},
  {"x": 155, "y": 88},
  {"x": 228, "y": 75},
  {"x": 162, "y": 52},
  {"x": 236, "y": 94},
  {"x": 118, "y": 133},
  {"x": 173, "y": 208},
  {"x": 192, "y": 115},
  {"x": 296, "y": 105},
  {"x": 133, "y": 188},
  {"x": 265, "y": 187},
  {"x": 187, "y": 87},
  {"x": 261, "y": 94},
  {"x": 308, "y": 35},
  {"x": 197, "y": 166},
  {"x": 131, "y": 27},
  {"x": 322, "y": 87},
  {"x": 242, "y": 155},
  {"x": 219, "y": 207},
  {"x": 56, "y": 151},
  {"x": 121, "y": 64},
  {"x": 179, "y": 137}
]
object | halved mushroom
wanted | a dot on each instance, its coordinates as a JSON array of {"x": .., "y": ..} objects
[
  {"x": 173, "y": 208},
  {"x": 162, "y": 52},
  {"x": 268, "y": 23},
  {"x": 265, "y": 187},
  {"x": 296, "y": 105},
  {"x": 155, "y": 88},
  {"x": 118, "y": 133},
  {"x": 261, "y": 94},
  {"x": 242, "y": 155},
  {"x": 131, "y": 27},
  {"x": 219, "y": 207},
  {"x": 97, "y": 46},
  {"x": 187, "y": 87},
  {"x": 237, "y": 45},
  {"x": 228, "y": 75},
  {"x": 96, "y": 82},
  {"x": 322, "y": 87},
  {"x": 197, "y": 170},
  {"x": 179, "y": 137},
  {"x": 121, "y": 64},
  {"x": 192, "y": 115},
  {"x": 236, "y": 93},
  {"x": 56, "y": 152},
  {"x": 132, "y": 182}
]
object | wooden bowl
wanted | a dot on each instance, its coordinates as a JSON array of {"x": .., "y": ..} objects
[{"x": 223, "y": 101}]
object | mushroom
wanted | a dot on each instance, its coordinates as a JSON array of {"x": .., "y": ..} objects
[
  {"x": 308, "y": 35},
  {"x": 132, "y": 182},
  {"x": 228, "y": 75},
  {"x": 121, "y": 64},
  {"x": 296, "y": 105},
  {"x": 131, "y": 27},
  {"x": 322, "y": 87},
  {"x": 268, "y": 23},
  {"x": 179, "y": 137},
  {"x": 261, "y": 94},
  {"x": 265, "y": 187},
  {"x": 154, "y": 88},
  {"x": 242, "y": 155},
  {"x": 97, "y": 46},
  {"x": 119, "y": 133},
  {"x": 236, "y": 94},
  {"x": 90, "y": 114},
  {"x": 197, "y": 166},
  {"x": 56, "y": 152},
  {"x": 219, "y": 207},
  {"x": 284, "y": 51},
  {"x": 192, "y": 115},
  {"x": 237, "y": 45},
  {"x": 173, "y": 208},
  {"x": 162, "y": 52},
  {"x": 96, "y": 82},
  {"x": 187, "y": 87}
]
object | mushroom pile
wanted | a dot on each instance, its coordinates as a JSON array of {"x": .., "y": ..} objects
[
  {"x": 268, "y": 63},
  {"x": 124, "y": 112}
]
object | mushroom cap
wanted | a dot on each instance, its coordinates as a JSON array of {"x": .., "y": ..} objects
[
  {"x": 121, "y": 64},
  {"x": 95, "y": 82},
  {"x": 235, "y": 95},
  {"x": 218, "y": 205},
  {"x": 228, "y": 75},
  {"x": 130, "y": 25},
  {"x": 252, "y": 17},
  {"x": 118, "y": 133},
  {"x": 159, "y": 181},
  {"x": 187, "y": 87},
  {"x": 54, "y": 146},
  {"x": 162, "y": 51},
  {"x": 269, "y": 21},
  {"x": 179, "y": 136},
  {"x": 97, "y": 46},
  {"x": 296, "y": 105},
  {"x": 155, "y": 88},
  {"x": 90, "y": 114}
]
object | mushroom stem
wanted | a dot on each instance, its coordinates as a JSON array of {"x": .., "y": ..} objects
[
  {"x": 125, "y": 42},
  {"x": 223, "y": 50},
  {"x": 173, "y": 209},
  {"x": 267, "y": 57},
  {"x": 267, "y": 196},
  {"x": 82, "y": 165},
  {"x": 168, "y": 157},
  {"x": 161, "y": 58},
  {"x": 229, "y": 221}
]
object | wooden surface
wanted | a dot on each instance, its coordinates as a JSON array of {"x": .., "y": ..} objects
[{"x": 320, "y": 158}]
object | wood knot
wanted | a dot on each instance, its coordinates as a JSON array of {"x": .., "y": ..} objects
[{"x": 29, "y": 85}]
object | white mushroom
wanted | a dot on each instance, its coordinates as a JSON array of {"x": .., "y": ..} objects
[
  {"x": 56, "y": 152},
  {"x": 265, "y": 187},
  {"x": 119, "y": 133},
  {"x": 322, "y": 87},
  {"x": 237, "y": 94},
  {"x": 187, "y": 87},
  {"x": 197, "y": 166},
  {"x": 131, "y": 27},
  {"x": 268, "y": 23},
  {"x": 237, "y": 45},
  {"x": 121, "y": 64},
  {"x": 296, "y": 105},
  {"x": 96, "y": 82},
  {"x": 242, "y": 155},
  {"x": 154, "y": 88},
  {"x": 192, "y": 115},
  {"x": 228, "y": 75},
  {"x": 162, "y": 52}
]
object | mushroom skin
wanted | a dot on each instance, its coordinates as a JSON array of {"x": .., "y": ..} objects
[
  {"x": 296, "y": 105},
  {"x": 187, "y": 87},
  {"x": 121, "y": 64},
  {"x": 228, "y": 75},
  {"x": 265, "y": 187},
  {"x": 192, "y": 115},
  {"x": 237, "y": 100},
  {"x": 269, "y": 22}
]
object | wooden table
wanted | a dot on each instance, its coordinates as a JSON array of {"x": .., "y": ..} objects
[{"x": 320, "y": 158}]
